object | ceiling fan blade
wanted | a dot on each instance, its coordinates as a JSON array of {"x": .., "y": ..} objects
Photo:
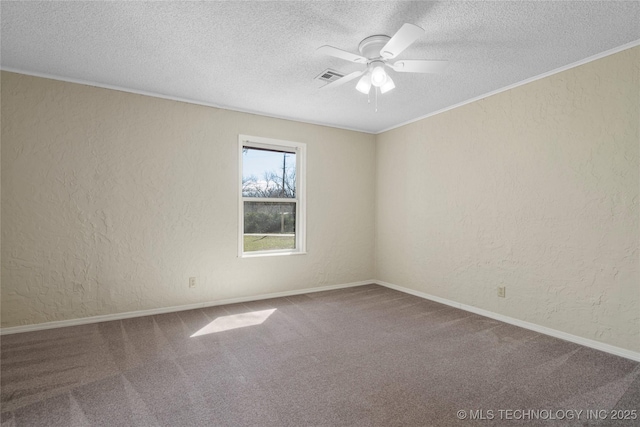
[
  {"x": 342, "y": 54},
  {"x": 401, "y": 40},
  {"x": 419, "y": 66},
  {"x": 343, "y": 80}
]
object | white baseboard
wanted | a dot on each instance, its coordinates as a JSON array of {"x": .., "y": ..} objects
[
  {"x": 162, "y": 310},
  {"x": 618, "y": 351}
]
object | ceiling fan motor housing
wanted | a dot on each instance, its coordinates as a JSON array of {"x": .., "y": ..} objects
[{"x": 371, "y": 46}]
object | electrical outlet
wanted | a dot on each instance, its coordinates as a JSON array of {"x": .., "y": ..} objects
[
  {"x": 502, "y": 291},
  {"x": 192, "y": 282}
]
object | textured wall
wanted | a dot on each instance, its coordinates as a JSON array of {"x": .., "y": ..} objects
[
  {"x": 110, "y": 201},
  {"x": 535, "y": 189}
]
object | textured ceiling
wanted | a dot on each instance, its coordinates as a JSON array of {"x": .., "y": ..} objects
[{"x": 260, "y": 56}]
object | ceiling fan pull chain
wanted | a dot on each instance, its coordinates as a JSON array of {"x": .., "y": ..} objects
[{"x": 376, "y": 99}]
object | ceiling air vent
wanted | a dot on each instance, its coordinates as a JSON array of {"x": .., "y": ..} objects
[{"x": 329, "y": 76}]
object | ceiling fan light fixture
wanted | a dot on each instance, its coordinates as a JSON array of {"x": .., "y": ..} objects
[
  {"x": 376, "y": 51},
  {"x": 364, "y": 84},
  {"x": 378, "y": 76},
  {"x": 387, "y": 86}
]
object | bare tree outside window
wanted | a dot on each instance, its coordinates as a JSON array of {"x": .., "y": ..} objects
[{"x": 274, "y": 181}]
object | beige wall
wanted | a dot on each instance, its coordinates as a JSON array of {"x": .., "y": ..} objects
[
  {"x": 535, "y": 189},
  {"x": 111, "y": 201}
]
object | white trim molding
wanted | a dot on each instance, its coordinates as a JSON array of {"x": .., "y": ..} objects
[
  {"x": 312, "y": 122},
  {"x": 520, "y": 83},
  {"x": 175, "y": 98},
  {"x": 162, "y": 310},
  {"x": 618, "y": 351}
]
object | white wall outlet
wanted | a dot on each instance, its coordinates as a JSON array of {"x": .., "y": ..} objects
[
  {"x": 502, "y": 291},
  {"x": 192, "y": 282}
]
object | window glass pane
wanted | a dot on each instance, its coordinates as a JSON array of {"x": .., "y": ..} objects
[
  {"x": 269, "y": 226},
  {"x": 267, "y": 173}
]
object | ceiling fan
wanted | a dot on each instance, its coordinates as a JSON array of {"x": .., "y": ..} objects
[{"x": 376, "y": 52}]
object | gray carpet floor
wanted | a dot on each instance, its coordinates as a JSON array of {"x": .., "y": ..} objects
[{"x": 363, "y": 356}]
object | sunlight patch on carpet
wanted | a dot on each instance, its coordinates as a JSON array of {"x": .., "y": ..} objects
[{"x": 235, "y": 321}]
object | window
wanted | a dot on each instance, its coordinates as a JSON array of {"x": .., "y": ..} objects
[{"x": 272, "y": 199}]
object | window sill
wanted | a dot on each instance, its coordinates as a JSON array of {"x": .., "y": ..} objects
[{"x": 266, "y": 254}]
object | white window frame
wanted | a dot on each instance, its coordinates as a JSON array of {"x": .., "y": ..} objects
[{"x": 300, "y": 149}]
